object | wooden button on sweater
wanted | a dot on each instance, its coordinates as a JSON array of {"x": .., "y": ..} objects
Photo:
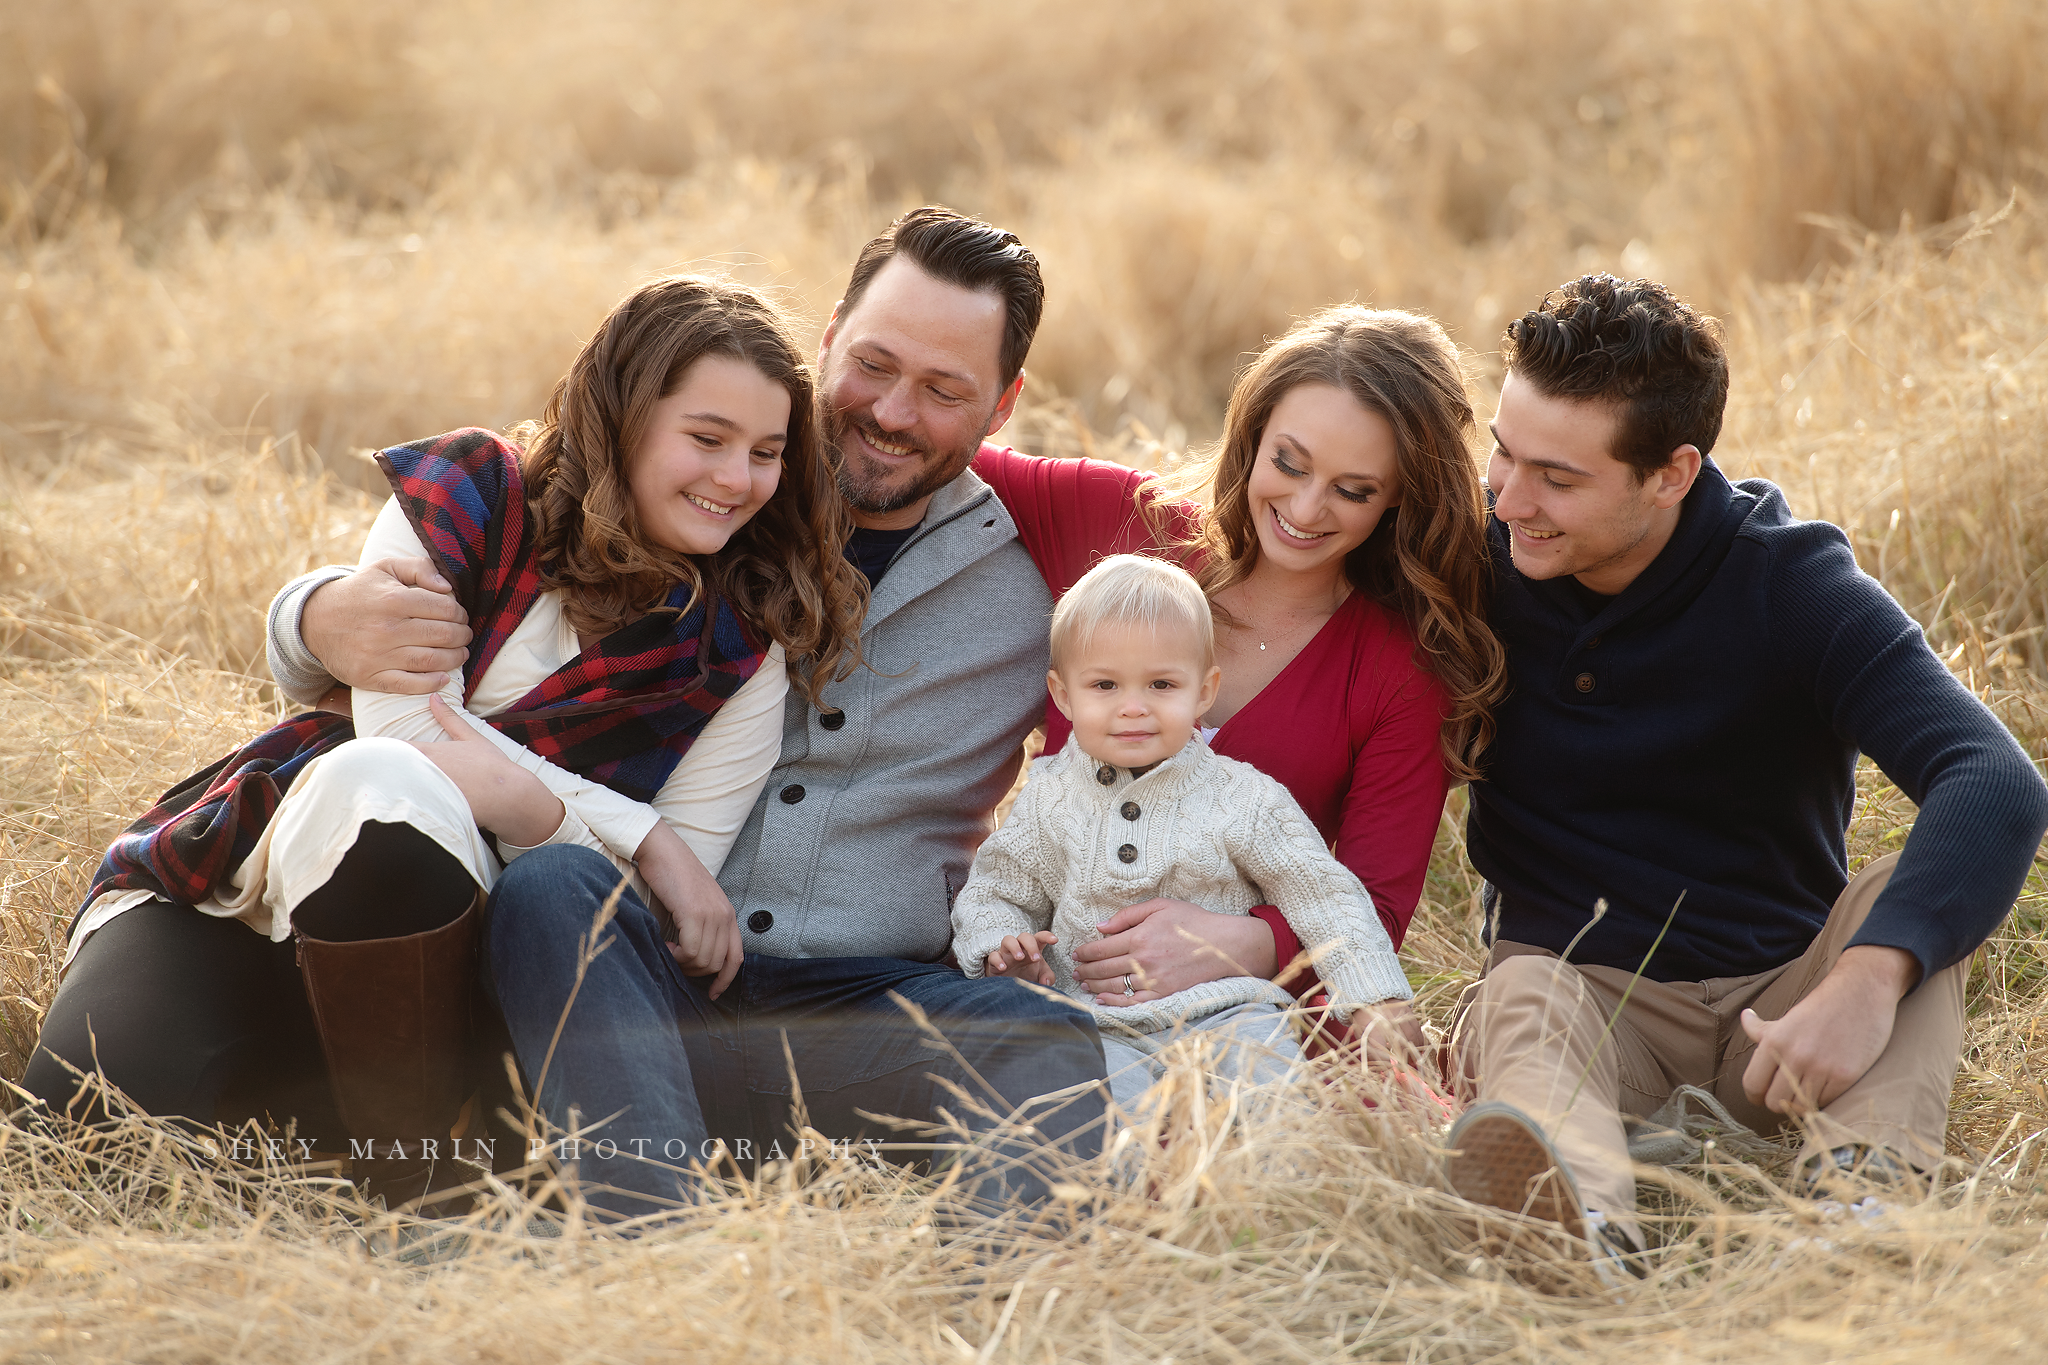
[
  {"x": 1129, "y": 810},
  {"x": 1127, "y": 854}
]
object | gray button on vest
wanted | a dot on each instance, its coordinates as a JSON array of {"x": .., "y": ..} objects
[
  {"x": 1127, "y": 854},
  {"x": 760, "y": 921},
  {"x": 831, "y": 720},
  {"x": 1105, "y": 775},
  {"x": 792, "y": 794}
]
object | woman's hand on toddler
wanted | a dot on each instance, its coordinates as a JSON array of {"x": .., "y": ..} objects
[
  {"x": 1023, "y": 957},
  {"x": 1149, "y": 951}
]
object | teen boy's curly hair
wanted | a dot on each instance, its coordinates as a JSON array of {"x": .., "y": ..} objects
[{"x": 1634, "y": 346}]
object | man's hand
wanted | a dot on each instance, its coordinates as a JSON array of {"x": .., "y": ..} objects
[
  {"x": 1826, "y": 1042},
  {"x": 503, "y": 797},
  {"x": 1168, "y": 945},
  {"x": 707, "y": 929},
  {"x": 1023, "y": 958},
  {"x": 391, "y": 626}
]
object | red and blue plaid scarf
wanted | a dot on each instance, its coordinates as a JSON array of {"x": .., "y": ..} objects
[{"x": 623, "y": 713}]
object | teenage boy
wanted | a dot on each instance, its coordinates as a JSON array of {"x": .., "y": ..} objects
[{"x": 1693, "y": 674}]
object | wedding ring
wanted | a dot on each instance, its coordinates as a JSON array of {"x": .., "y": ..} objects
[{"x": 1127, "y": 984}]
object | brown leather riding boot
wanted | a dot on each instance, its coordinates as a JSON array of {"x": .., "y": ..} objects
[{"x": 394, "y": 1016}]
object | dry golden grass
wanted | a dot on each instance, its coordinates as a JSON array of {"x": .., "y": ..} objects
[{"x": 242, "y": 240}]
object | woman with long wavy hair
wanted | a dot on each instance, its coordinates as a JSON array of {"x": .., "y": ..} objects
[
  {"x": 1338, "y": 529},
  {"x": 292, "y": 933}
]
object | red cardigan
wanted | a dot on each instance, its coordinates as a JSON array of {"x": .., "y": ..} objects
[{"x": 1350, "y": 727}]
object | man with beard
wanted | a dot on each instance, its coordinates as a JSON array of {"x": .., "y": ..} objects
[{"x": 843, "y": 874}]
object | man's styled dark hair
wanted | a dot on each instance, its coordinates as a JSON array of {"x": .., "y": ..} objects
[
  {"x": 1634, "y": 346},
  {"x": 969, "y": 253}
]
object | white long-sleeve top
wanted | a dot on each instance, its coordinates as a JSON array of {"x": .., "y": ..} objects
[{"x": 705, "y": 800}]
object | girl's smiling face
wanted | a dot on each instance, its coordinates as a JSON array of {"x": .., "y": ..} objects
[
  {"x": 1327, "y": 468},
  {"x": 711, "y": 456}
]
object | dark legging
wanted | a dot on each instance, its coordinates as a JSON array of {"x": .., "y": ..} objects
[{"x": 195, "y": 1016}]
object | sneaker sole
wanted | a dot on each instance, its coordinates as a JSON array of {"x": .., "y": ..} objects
[{"x": 1500, "y": 1161}]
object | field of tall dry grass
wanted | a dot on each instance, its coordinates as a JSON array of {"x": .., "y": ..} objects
[{"x": 241, "y": 241}]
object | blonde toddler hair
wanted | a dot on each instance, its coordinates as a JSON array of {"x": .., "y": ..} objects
[{"x": 1132, "y": 590}]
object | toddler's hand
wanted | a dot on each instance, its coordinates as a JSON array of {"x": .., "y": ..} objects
[
  {"x": 1388, "y": 1035},
  {"x": 1023, "y": 958},
  {"x": 1388, "y": 1040}
]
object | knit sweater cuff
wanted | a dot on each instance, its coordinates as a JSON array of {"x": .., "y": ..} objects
[
  {"x": 981, "y": 920},
  {"x": 299, "y": 675},
  {"x": 1357, "y": 979}
]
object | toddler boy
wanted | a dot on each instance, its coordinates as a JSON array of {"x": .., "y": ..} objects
[{"x": 1138, "y": 806}]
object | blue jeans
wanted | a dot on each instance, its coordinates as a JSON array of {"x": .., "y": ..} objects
[{"x": 657, "y": 1073}]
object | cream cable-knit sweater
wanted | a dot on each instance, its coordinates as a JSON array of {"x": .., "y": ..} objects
[{"x": 1086, "y": 839}]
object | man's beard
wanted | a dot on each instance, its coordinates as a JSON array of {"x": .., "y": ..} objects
[{"x": 865, "y": 483}]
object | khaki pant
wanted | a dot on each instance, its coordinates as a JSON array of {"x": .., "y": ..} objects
[{"x": 1529, "y": 1033}]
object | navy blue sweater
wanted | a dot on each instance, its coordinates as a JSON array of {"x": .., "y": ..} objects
[{"x": 1698, "y": 733}]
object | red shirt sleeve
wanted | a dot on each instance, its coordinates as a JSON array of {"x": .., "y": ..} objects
[
  {"x": 1072, "y": 513},
  {"x": 1398, "y": 784},
  {"x": 1287, "y": 947}
]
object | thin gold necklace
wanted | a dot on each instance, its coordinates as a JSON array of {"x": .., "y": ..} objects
[{"x": 1332, "y": 612}]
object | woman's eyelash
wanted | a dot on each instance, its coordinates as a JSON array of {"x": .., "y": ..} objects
[{"x": 1280, "y": 463}]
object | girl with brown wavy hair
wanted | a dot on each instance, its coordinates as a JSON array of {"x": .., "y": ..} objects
[
  {"x": 640, "y": 577},
  {"x": 1338, "y": 529},
  {"x": 781, "y": 569}
]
